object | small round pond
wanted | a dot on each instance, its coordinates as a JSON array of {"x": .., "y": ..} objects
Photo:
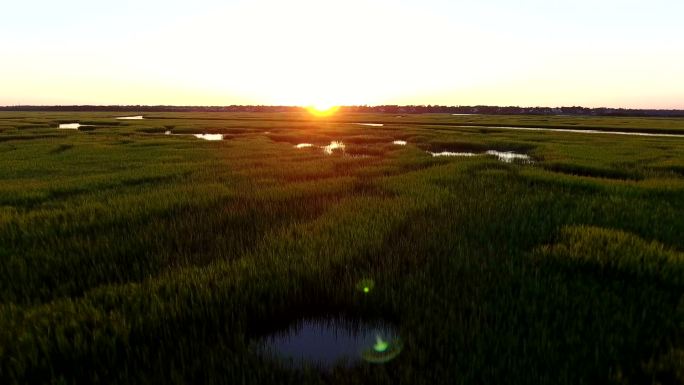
[{"x": 326, "y": 343}]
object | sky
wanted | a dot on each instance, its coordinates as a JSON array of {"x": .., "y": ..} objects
[{"x": 605, "y": 53}]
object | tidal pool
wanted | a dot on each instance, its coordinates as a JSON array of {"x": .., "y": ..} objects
[
  {"x": 209, "y": 136},
  {"x": 304, "y": 145},
  {"x": 580, "y": 131},
  {"x": 573, "y": 130},
  {"x": 370, "y": 124},
  {"x": 504, "y": 156},
  {"x": 137, "y": 117},
  {"x": 509, "y": 156},
  {"x": 399, "y": 142},
  {"x": 329, "y": 342},
  {"x": 334, "y": 146},
  {"x": 450, "y": 153},
  {"x": 73, "y": 126},
  {"x": 198, "y": 136}
]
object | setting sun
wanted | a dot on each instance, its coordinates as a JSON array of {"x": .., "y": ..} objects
[{"x": 322, "y": 110}]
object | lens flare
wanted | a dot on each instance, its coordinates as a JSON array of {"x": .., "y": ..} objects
[
  {"x": 365, "y": 285},
  {"x": 380, "y": 345},
  {"x": 383, "y": 350}
]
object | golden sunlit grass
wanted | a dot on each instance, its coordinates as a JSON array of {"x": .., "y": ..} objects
[{"x": 322, "y": 110}]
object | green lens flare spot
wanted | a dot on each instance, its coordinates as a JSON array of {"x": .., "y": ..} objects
[
  {"x": 382, "y": 350},
  {"x": 380, "y": 345},
  {"x": 365, "y": 285}
]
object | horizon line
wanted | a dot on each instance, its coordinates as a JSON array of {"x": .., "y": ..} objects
[{"x": 8, "y": 106}]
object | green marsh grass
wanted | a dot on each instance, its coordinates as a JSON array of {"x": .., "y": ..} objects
[{"x": 130, "y": 256}]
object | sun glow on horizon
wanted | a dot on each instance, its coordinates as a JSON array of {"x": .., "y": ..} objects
[{"x": 322, "y": 110}]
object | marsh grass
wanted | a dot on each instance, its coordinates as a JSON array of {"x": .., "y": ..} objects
[{"x": 129, "y": 256}]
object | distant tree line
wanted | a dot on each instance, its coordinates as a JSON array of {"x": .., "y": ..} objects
[
  {"x": 515, "y": 110},
  {"x": 389, "y": 109}
]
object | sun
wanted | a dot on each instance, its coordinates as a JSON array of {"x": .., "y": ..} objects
[{"x": 322, "y": 110}]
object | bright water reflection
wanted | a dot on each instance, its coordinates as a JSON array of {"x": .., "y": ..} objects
[
  {"x": 209, "y": 136},
  {"x": 137, "y": 117},
  {"x": 399, "y": 142},
  {"x": 574, "y": 130},
  {"x": 509, "y": 156},
  {"x": 69, "y": 126},
  {"x": 73, "y": 126},
  {"x": 333, "y": 146},
  {"x": 449, "y": 153},
  {"x": 504, "y": 156}
]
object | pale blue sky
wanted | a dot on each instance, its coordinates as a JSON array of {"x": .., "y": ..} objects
[{"x": 608, "y": 53}]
